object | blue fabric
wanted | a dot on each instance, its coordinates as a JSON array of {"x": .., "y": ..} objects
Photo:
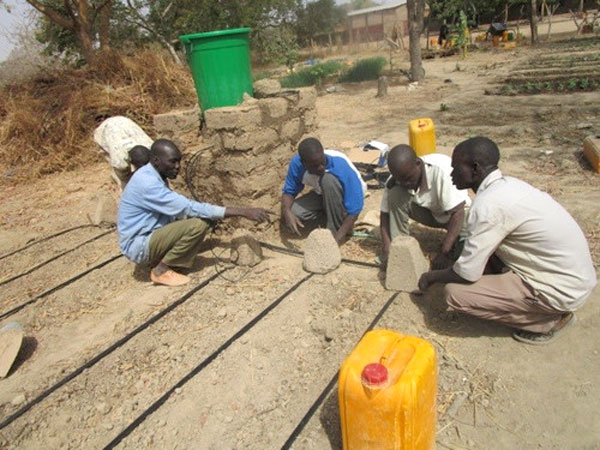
[
  {"x": 147, "y": 204},
  {"x": 338, "y": 167}
]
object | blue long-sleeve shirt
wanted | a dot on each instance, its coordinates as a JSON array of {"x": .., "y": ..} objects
[
  {"x": 147, "y": 204},
  {"x": 337, "y": 165}
]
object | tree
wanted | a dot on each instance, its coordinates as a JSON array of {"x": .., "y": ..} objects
[
  {"x": 533, "y": 21},
  {"x": 83, "y": 19},
  {"x": 318, "y": 17},
  {"x": 416, "y": 12},
  {"x": 154, "y": 17}
]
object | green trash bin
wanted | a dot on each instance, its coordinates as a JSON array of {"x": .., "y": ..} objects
[{"x": 220, "y": 64}]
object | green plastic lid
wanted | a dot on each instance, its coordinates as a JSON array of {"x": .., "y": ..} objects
[{"x": 188, "y": 37}]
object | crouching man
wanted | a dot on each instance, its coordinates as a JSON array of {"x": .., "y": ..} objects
[
  {"x": 547, "y": 269},
  {"x": 159, "y": 226},
  {"x": 337, "y": 195}
]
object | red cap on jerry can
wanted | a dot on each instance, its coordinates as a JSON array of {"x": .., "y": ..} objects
[{"x": 374, "y": 375}]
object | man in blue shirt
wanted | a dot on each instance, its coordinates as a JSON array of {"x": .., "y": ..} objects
[
  {"x": 159, "y": 226},
  {"x": 337, "y": 197}
]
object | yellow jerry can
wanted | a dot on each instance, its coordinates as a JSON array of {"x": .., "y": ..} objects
[
  {"x": 421, "y": 135},
  {"x": 387, "y": 390}
]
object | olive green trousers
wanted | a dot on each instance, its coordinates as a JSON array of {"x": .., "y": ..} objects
[{"x": 177, "y": 243}]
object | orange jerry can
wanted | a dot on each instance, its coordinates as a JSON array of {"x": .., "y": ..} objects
[
  {"x": 387, "y": 390},
  {"x": 421, "y": 135}
]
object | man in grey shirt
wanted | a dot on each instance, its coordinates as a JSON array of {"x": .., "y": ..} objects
[{"x": 547, "y": 267}]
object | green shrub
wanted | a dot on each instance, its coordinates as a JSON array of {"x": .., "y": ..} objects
[
  {"x": 311, "y": 75},
  {"x": 364, "y": 69}
]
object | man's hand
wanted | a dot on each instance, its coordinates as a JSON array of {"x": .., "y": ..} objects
[
  {"x": 441, "y": 261},
  {"x": 257, "y": 214},
  {"x": 292, "y": 222},
  {"x": 425, "y": 281}
]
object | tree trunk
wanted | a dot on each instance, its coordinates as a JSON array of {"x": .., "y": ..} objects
[
  {"x": 506, "y": 13},
  {"x": 104, "y": 25},
  {"x": 581, "y": 2},
  {"x": 533, "y": 21},
  {"x": 416, "y": 10}
]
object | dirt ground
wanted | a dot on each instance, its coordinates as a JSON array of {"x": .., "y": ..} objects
[{"x": 238, "y": 361}]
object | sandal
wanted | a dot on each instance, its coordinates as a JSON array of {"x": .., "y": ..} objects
[{"x": 529, "y": 337}]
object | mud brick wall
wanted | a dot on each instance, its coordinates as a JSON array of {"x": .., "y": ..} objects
[{"x": 252, "y": 145}]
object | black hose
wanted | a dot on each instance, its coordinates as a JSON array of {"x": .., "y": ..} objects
[
  {"x": 65, "y": 283},
  {"x": 42, "y": 264},
  {"x": 31, "y": 244},
  {"x": 158, "y": 403},
  {"x": 298, "y": 253},
  {"x": 14, "y": 416}
]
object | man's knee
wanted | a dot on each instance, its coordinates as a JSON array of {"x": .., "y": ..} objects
[
  {"x": 454, "y": 295},
  {"x": 330, "y": 182},
  {"x": 197, "y": 227}
]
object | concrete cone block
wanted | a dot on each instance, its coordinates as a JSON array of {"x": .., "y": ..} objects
[
  {"x": 11, "y": 338},
  {"x": 246, "y": 251},
  {"x": 105, "y": 211},
  {"x": 406, "y": 264},
  {"x": 321, "y": 252}
]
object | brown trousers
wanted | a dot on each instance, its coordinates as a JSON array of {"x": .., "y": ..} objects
[{"x": 503, "y": 298}]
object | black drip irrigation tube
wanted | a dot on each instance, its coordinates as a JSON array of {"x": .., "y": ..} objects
[
  {"x": 155, "y": 318},
  {"x": 158, "y": 403},
  {"x": 321, "y": 398},
  {"x": 48, "y": 261},
  {"x": 65, "y": 283},
  {"x": 293, "y": 252},
  {"x": 46, "y": 238}
]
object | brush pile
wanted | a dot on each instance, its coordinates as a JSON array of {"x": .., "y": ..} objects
[{"x": 47, "y": 123}]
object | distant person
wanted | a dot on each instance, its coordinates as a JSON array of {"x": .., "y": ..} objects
[
  {"x": 161, "y": 227},
  {"x": 420, "y": 188},
  {"x": 337, "y": 195},
  {"x": 443, "y": 37},
  {"x": 139, "y": 156},
  {"x": 546, "y": 271},
  {"x": 116, "y": 136}
]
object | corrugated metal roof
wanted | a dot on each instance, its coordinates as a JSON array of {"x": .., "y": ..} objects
[{"x": 376, "y": 8}]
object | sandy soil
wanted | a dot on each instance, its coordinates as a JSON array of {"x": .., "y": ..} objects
[{"x": 191, "y": 379}]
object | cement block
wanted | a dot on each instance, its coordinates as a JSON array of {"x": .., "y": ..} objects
[
  {"x": 307, "y": 97},
  {"x": 105, "y": 211},
  {"x": 274, "y": 108},
  {"x": 244, "y": 117},
  {"x": 591, "y": 150},
  {"x": 177, "y": 122},
  {"x": 321, "y": 252},
  {"x": 291, "y": 130},
  {"x": 246, "y": 251},
  {"x": 260, "y": 139},
  {"x": 266, "y": 88},
  {"x": 310, "y": 119},
  {"x": 406, "y": 264}
]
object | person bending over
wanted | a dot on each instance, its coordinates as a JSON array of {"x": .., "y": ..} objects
[{"x": 421, "y": 189}]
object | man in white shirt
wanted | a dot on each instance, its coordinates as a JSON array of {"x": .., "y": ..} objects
[
  {"x": 421, "y": 189},
  {"x": 548, "y": 271}
]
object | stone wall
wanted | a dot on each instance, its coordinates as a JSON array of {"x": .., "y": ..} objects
[{"x": 250, "y": 145}]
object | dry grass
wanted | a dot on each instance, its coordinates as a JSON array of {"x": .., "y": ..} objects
[{"x": 46, "y": 124}]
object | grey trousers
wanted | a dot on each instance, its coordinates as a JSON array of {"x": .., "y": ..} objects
[
  {"x": 503, "y": 298},
  {"x": 402, "y": 208},
  {"x": 327, "y": 208}
]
